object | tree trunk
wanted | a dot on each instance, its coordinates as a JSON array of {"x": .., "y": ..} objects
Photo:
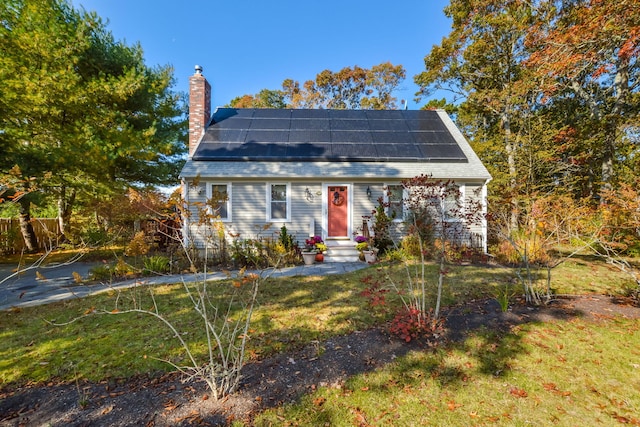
[
  {"x": 65, "y": 207},
  {"x": 26, "y": 228},
  {"x": 510, "y": 148}
]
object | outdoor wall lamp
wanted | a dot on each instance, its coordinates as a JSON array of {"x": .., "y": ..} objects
[
  {"x": 368, "y": 193},
  {"x": 308, "y": 195}
]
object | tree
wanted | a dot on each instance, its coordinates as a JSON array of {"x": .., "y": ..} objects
[
  {"x": 481, "y": 61},
  {"x": 350, "y": 88},
  {"x": 589, "y": 49},
  {"x": 266, "y": 98},
  {"x": 81, "y": 113}
]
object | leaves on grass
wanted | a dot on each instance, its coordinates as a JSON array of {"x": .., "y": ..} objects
[
  {"x": 452, "y": 405},
  {"x": 553, "y": 388},
  {"x": 360, "y": 418},
  {"x": 319, "y": 401},
  {"x": 518, "y": 392}
]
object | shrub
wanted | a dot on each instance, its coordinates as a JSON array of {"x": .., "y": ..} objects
[
  {"x": 412, "y": 324},
  {"x": 138, "y": 245},
  {"x": 102, "y": 272},
  {"x": 157, "y": 264}
]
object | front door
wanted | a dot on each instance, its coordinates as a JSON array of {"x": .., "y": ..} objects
[{"x": 337, "y": 211}]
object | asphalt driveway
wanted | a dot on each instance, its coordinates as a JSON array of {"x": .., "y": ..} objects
[{"x": 53, "y": 283}]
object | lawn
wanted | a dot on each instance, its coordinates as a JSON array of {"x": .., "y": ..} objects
[{"x": 563, "y": 373}]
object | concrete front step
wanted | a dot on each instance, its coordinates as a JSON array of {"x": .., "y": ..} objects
[{"x": 341, "y": 251}]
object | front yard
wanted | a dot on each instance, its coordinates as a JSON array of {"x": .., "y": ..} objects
[{"x": 563, "y": 372}]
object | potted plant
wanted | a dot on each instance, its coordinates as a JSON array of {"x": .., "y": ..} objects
[
  {"x": 366, "y": 249},
  {"x": 320, "y": 248},
  {"x": 309, "y": 252}
]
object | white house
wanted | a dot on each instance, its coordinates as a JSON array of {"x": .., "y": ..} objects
[{"x": 318, "y": 172}]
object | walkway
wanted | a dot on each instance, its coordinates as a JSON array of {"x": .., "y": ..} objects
[{"x": 56, "y": 283}]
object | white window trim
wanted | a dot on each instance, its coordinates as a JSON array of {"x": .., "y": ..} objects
[
  {"x": 288, "y": 201},
  {"x": 229, "y": 198},
  {"x": 385, "y": 199}
]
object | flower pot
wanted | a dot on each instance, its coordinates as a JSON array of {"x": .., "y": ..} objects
[
  {"x": 369, "y": 256},
  {"x": 308, "y": 257},
  {"x": 319, "y": 257}
]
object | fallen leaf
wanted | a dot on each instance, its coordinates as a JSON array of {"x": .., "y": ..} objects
[
  {"x": 518, "y": 392},
  {"x": 319, "y": 401},
  {"x": 452, "y": 405}
]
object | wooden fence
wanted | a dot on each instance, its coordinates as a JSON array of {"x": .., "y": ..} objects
[{"x": 11, "y": 240}]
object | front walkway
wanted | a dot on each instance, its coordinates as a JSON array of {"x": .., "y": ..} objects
[{"x": 52, "y": 284}]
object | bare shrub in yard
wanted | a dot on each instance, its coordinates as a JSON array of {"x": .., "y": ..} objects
[{"x": 436, "y": 220}]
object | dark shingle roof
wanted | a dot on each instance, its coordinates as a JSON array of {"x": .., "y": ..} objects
[{"x": 328, "y": 135}]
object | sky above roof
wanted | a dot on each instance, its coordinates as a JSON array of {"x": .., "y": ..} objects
[{"x": 248, "y": 45}]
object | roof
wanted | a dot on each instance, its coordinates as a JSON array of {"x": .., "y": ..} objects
[
  {"x": 219, "y": 156},
  {"x": 286, "y": 135}
]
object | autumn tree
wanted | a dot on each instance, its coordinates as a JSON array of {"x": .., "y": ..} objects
[
  {"x": 481, "y": 62},
  {"x": 588, "y": 50},
  {"x": 350, "y": 88},
  {"x": 81, "y": 113},
  {"x": 266, "y": 98}
]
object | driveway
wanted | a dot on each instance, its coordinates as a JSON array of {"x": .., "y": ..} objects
[{"x": 53, "y": 283}]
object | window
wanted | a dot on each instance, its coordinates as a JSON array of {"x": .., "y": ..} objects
[
  {"x": 278, "y": 205},
  {"x": 452, "y": 203},
  {"x": 394, "y": 196},
  {"x": 219, "y": 200}
]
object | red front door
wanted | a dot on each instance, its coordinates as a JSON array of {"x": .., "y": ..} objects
[{"x": 337, "y": 214}]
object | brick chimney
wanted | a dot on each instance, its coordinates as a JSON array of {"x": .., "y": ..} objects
[{"x": 199, "y": 107}]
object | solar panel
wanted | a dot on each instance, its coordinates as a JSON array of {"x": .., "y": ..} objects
[
  {"x": 261, "y": 123},
  {"x": 309, "y": 124},
  {"x": 350, "y": 136},
  {"x": 398, "y": 151},
  {"x": 403, "y": 138},
  {"x": 427, "y": 124},
  {"x": 308, "y": 151},
  {"x": 225, "y": 135},
  {"x": 354, "y": 135},
  {"x": 309, "y": 135},
  {"x": 434, "y": 138},
  {"x": 442, "y": 151},
  {"x": 390, "y": 125},
  {"x": 344, "y": 124},
  {"x": 348, "y": 114},
  {"x": 384, "y": 114},
  {"x": 280, "y": 136},
  {"x": 272, "y": 113},
  {"x": 235, "y": 122},
  {"x": 352, "y": 151},
  {"x": 309, "y": 114}
]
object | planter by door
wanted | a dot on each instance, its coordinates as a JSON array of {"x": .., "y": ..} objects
[
  {"x": 369, "y": 256},
  {"x": 309, "y": 257}
]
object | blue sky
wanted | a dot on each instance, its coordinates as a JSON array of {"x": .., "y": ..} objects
[{"x": 248, "y": 45}]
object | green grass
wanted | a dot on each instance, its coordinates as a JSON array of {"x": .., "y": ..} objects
[
  {"x": 472, "y": 383},
  {"x": 562, "y": 373}
]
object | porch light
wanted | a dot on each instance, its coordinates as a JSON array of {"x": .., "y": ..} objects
[{"x": 368, "y": 193}]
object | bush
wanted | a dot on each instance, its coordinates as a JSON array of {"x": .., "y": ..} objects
[
  {"x": 157, "y": 264},
  {"x": 102, "y": 272},
  {"x": 412, "y": 324},
  {"x": 523, "y": 243}
]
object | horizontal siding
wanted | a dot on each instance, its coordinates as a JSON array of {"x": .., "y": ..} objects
[{"x": 249, "y": 208}]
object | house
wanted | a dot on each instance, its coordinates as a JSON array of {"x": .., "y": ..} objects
[{"x": 318, "y": 172}]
